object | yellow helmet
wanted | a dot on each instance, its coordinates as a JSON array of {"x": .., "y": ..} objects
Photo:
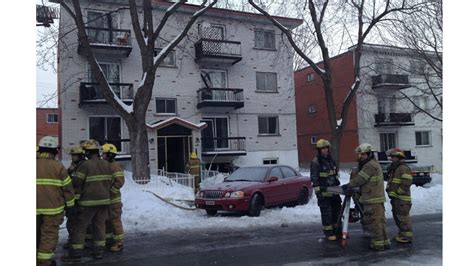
[
  {"x": 76, "y": 149},
  {"x": 91, "y": 145},
  {"x": 364, "y": 147},
  {"x": 109, "y": 147},
  {"x": 322, "y": 143},
  {"x": 49, "y": 142},
  {"x": 194, "y": 155},
  {"x": 396, "y": 152}
]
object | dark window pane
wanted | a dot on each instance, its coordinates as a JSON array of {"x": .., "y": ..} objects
[
  {"x": 114, "y": 133},
  {"x": 160, "y": 106},
  {"x": 269, "y": 40},
  {"x": 262, "y": 125},
  {"x": 276, "y": 172},
  {"x": 260, "y": 81},
  {"x": 288, "y": 172},
  {"x": 97, "y": 128},
  {"x": 418, "y": 138},
  {"x": 271, "y": 82},
  {"x": 272, "y": 125},
  {"x": 259, "y": 39},
  {"x": 171, "y": 106}
]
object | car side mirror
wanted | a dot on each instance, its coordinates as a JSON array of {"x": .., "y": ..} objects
[{"x": 272, "y": 179}]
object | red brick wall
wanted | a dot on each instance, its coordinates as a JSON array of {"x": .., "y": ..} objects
[
  {"x": 43, "y": 128},
  {"x": 317, "y": 124}
]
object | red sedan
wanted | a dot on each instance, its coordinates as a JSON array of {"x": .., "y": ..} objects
[{"x": 249, "y": 189}]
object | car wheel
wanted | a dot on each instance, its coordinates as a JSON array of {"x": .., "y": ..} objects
[
  {"x": 303, "y": 196},
  {"x": 211, "y": 212},
  {"x": 256, "y": 204}
]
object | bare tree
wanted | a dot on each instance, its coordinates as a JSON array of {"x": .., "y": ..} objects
[
  {"x": 422, "y": 32},
  {"x": 367, "y": 14},
  {"x": 146, "y": 34}
]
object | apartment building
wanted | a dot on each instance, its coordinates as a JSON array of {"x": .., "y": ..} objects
[
  {"x": 379, "y": 114},
  {"x": 226, "y": 91}
]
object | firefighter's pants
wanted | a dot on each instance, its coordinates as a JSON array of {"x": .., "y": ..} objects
[
  {"x": 85, "y": 216},
  {"x": 47, "y": 235},
  {"x": 401, "y": 215},
  {"x": 114, "y": 224},
  {"x": 330, "y": 208},
  {"x": 197, "y": 181},
  {"x": 374, "y": 220}
]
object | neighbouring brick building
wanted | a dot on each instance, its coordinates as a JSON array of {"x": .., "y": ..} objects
[
  {"x": 47, "y": 122},
  {"x": 378, "y": 114},
  {"x": 226, "y": 90}
]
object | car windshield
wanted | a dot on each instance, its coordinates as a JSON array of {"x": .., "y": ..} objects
[{"x": 256, "y": 174}]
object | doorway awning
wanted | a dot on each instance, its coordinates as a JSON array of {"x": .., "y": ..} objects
[{"x": 178, "y": 121}]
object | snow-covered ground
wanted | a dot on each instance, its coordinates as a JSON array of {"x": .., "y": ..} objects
[{"x": 143, "y": 212}]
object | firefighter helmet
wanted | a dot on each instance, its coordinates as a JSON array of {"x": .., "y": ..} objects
[
  {"x": 396, "y": 152},
  {"x": 322, "y": 143},
  {"x": 194, "y": 155},
  {"x": 364, "y": 148},
  {"x": 109, "y": 148},
  {"x": 76, "y": 149},
  {"x": 91, "y": 145},
  {"x": 49, "y": 142}
]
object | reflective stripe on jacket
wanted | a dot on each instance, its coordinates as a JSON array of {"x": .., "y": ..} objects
[
  {"x": 399, "y": 182},
  {"x": 118, "y": 181},
  {"x": 323, "y": 173},
  {"x": 93, "y": 182},
  {"x": 370, "y": 181},
  {"x": 54, "y": 189}
]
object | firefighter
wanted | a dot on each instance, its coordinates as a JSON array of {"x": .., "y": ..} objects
[
  {"x": 93, "y": 183},
  {"x": 77, "y": 158},
  {"x": 114, "y": 224},
  {"x": 398, "y": 189},
  {"x": 54, "y": 192},
  {"x": 193, "y": 166},
  {"x": 323, "y": 174},
  {"x": 370, "y": 181}
]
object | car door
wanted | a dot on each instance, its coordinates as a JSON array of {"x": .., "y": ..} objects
[
  {"x": 291, "y": 182},
  {"x": 274, "y": 191}
]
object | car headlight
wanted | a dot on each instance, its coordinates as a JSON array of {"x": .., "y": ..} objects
[
  {"x": 237, "y": 194},
  {"x": 199, "y": 194},
  {"x": 226, "y": 195}
]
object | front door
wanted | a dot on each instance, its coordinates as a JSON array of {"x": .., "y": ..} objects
[{"x": 173, "y": 153}]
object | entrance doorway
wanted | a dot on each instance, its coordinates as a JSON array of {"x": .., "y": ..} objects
[{"x": 174, "y": 144}]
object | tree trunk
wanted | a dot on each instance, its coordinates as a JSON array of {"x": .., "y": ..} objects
[
  {"x": 140, "y": 156},
  {"x": 336, "y": 147}
]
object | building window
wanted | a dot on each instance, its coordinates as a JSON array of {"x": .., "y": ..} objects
[
  {"x": 98, "y": 25},
  {"x": 271, "y": 161},
  {"x": 417, "y": 67},
  {"x": 386, "y": 105},
  {"x": 310, "y": 77},
  {"x": 264, "y": 39},
  {"x": 421, "y": 102},
  {"x": 267, "y": 81},
  {"x": 52, "y": 118},
  {"x": 383, "y": 66},
  {"x": 388, "y": 141},
  {"x": 268, "y": 125},
  {"x": 165, "y": 105},
  {"x": 169, "y": 60},
  {"x": 312, "y": 108},
  {"x": 106, "y": 130},
  {"x": 313, "y": 139},
  {"x": 211, "y": 31},
  {"x": 423, "y": 138}
]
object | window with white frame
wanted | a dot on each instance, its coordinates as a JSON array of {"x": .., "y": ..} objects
[
  {"x": 388, "y": 141},
  {"x": 311, "y": 108},
  {"x": 165, "y": 105},
  {"x": 264, "y": 39},
  {"x": 423, "y": 138},
  {"x": 266, "y": 81},
  {"x": 52, "y": 118},
  {"x": 169, "y": 60},
  {"x": 106, "y": 129},
  {"x": 268, "y": 125},
  {"x": 310, "y": 77},
  {"x": 271, "y": 161},
  {"x": 313, "y": 139}
]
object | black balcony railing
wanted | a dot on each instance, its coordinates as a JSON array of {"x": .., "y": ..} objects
[
  {"x": 218, "y": 50},
  {"x": 108, "y": 41},
  {"x": 391, "y": 119},
  {"x": 220, "y": 97},
  {"x": 391, "y": 81},
  {"x": 229, "y": 146},
  {"x": 90, "y": 92}
]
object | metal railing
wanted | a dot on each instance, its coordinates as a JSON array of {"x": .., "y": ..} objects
[
  {"x": 223, "y": 144},
  {"x": 210, "y": 47},
  {"x": 393, "y": 118},
  {"x": 90, "y": 91},
  {"x": 108, "y": 36},
  {"x": 389, "y": 79},
  {"x": 220, "y": 95},
  {"x": 180, "y": 178}
]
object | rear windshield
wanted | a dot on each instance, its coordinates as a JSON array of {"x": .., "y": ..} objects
[{"x": 249, "y": 174}]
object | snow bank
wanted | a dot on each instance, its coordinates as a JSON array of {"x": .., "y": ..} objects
[{"x": 143, "y": 212}]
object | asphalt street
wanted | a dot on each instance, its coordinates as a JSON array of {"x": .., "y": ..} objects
[{"x": 301, "y": 244}]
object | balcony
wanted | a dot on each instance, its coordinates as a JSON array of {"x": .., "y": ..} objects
[
  {"x": 232, "y": 146},
  {"x": 220, "y": 97},
  {"x": 393, "y": 120},
  {"x": 217, "y": 51},
  {"x": 106, "y": 42},
  {"x": 390, "y": 82},
  {"x": 90, "y": 93}
]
